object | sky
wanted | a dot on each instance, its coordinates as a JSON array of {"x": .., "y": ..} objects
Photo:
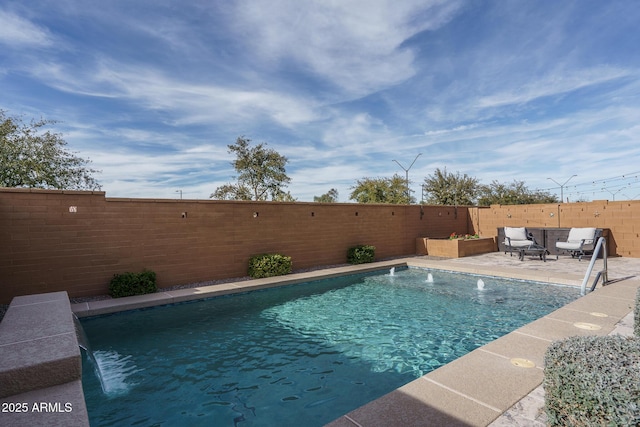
[{"x": 153, "y": 91}]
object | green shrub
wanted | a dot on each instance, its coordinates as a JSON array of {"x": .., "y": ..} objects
[
  {"x": 636, "y": 317},
  {"x": 269, "y": 265},
  {"x": 592, "y": 381},
  {"x": 361, "y": 254},
  {"x": 128, "y": 284}
]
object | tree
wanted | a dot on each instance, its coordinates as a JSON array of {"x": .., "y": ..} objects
[
  {"x": 231, "y": 192},
  {"x": 261, "y": 174},
  {"x": 281, "y": 196},
  {"x": 329, "y": 197},
  {"x": 32, "y": 158},
  {"x": 381, "y": 190},
  {"x": 515, "y": 193},
  {"x": 444, "y": 188}
]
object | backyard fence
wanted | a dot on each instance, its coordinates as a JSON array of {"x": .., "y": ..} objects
[{"x": 76, "y": 241}]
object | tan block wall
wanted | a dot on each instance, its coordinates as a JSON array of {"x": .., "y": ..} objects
[
  {"x": 45, "y": 247},
  {"x": 622, "y": 218}
]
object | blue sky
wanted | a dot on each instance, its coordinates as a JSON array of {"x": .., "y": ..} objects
[{"x": 154, "y": 91}]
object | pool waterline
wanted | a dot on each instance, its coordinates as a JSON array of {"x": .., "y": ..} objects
[{"x": 253, "y": 286}]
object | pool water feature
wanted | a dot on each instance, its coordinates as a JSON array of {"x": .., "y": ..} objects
[{"x": 297, "y": 355}]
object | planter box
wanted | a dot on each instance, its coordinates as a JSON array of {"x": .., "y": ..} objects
[{"x": 455, "y": 248}]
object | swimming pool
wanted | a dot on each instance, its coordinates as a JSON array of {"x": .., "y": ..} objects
[{"x": 297, "y": 355}]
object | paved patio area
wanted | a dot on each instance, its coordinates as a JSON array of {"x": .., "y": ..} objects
[{"x": 619, "y": 267}]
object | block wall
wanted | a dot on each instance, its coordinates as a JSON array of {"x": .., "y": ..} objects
[
  {"x": 622, "y": 218},
  {"x": 76, "y": 241}
]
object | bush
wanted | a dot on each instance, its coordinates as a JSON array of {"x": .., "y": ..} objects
[
  {"x": 128, "y": 284},
  {"x": 636, "y": 317},
  {"x": 269, "y": 265},
  {"x": 593, "y": 381},
  {"x": 361, "y": 254}
]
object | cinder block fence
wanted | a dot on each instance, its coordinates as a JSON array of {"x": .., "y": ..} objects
[{"x": 76, "y": 241}]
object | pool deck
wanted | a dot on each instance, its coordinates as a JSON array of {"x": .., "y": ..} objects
[{"x": 497, "y": 384}]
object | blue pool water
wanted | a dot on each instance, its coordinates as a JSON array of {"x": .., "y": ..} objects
[{"x": 297, "y": 355}]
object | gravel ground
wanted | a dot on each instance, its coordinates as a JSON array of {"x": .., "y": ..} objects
[
  {"x": 3, "y": 307},
  {"x": 199, "y": 284}
]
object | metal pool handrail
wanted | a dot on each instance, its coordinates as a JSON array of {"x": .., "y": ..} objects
[{"x": 602, "y": 244}]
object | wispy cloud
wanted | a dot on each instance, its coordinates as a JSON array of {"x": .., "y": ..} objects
[
  {"x": 356, "y": 46},
  {"x": 553, "y": 84},
  {"x": 17, "y": 32},
  {"x": 188, "y": 102}
]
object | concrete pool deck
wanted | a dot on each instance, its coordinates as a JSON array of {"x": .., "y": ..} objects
[{"x": 493, "y": 384}]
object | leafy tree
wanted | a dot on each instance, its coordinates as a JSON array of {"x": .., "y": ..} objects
[
  {"x": 329, "y": 197},
  {"x": 445, "y": 188},
  {"x": 381, "y": 190},
  {"x": 261, "y": 174},
  {"x": 231, "y": 192},
  {"x": 515, "y": 193},
  {"x": 281, "y": 196},
  {"x": 33, "y": 158}
]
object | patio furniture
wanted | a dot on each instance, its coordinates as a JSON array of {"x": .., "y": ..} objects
[
  {"x": 533, "y": 249},
  {"x": 579, "y": 241},
  {"x": 516, "y": 238}
]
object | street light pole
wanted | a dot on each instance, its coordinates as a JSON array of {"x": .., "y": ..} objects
[
  {"x": 613, "y": 193},
  {"x": 562, "y": 187},
  {"x": 179, "y": 191},
  {"x": 406, "y": 170}
]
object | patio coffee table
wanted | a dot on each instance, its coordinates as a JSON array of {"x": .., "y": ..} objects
[{"x": 534, "y": 249}]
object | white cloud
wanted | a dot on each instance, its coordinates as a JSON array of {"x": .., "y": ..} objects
[
  {"x": 17, "y": 32},
  {"x": 188, "y": 102},
  {"x": 355, "y": 45},
  {"x": 354, "y": 132},
  {"x": 550, "y": 85}
]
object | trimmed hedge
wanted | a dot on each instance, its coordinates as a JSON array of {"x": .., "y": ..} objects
[
  {"x": 128, "y": 284},
  {"x": 269, "y": 265},
  {"x": 636, "y": 315},
  {"x": 590, "y": 380},
  {"x": 361, "y": 254}
]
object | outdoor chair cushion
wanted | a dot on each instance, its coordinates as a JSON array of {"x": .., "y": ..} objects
[
  {"x": 515, "y": 233},
  {"x": 516, "y": 237},
  {"x": 519, "y": 243},
  {"x": 575, "y": 240}
]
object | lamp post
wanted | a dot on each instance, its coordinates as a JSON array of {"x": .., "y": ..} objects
[
  {"x": 406, "y": 170},
  {"x": 562, "y": 187},
  {"x": 179, "y": 191}
]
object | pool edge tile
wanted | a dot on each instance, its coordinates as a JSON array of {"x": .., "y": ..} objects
[{"x": 114, "y": 305}]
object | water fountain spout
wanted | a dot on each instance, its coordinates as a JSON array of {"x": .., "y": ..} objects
[
  {"x": 392, "y": 272},
  {"x": 429, "y": 278},
  {"x": 480, "y": 284},
  {"x": 83, "y": 343}
]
